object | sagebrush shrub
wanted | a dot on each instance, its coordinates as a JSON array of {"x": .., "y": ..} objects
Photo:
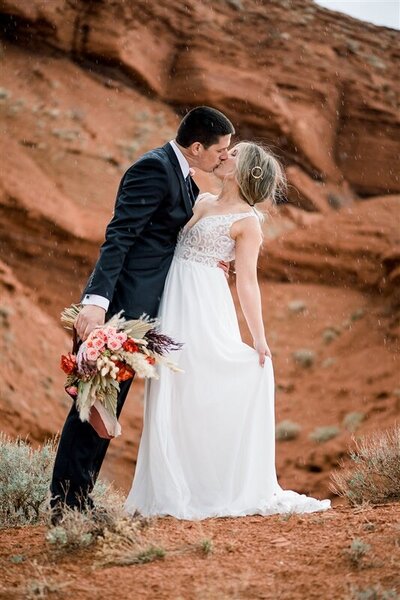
[
  {"x": 287, "y": 430},
  {"x": 323, "y": 434},
  {"x": 304, "y": 357},
  {"x": 25, "y": 475},
  {"x": 24, "y": 481},
  {"x": 374, "y": 475},
  {"x": 353, "y": 420},
  {"x": 357, "y": 552}
]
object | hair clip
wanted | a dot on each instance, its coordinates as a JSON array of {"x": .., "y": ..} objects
[{"x": 258, "y": 170}]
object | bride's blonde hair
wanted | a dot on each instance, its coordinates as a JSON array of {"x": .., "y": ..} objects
[{"x": 259, "y": 174}]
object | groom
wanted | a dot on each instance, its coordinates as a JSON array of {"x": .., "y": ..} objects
[{"x": 154, "y": 201}]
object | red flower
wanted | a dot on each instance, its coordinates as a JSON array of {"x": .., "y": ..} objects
[
  {"x": 130, "y": 346},
  {"x": 125, "y": 372},
  {"x": 68, "y": 363},
  {"x": 151, "y": 360}
]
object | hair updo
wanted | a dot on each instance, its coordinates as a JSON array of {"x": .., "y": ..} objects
[{"x": 259, "y": 174}]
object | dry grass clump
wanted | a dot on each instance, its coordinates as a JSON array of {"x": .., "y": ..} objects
[
  {"x": 43, "y": 586},
  {"x": 287, "y": 430},
  {"x": 107, "y": 524},
  {"x": 25, "y": 475},
  {"x": 123, "y": 544},
  {"x": 374, "y": 475}
]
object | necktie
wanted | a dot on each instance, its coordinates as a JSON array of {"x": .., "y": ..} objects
[{"x": 188, "y": 182}]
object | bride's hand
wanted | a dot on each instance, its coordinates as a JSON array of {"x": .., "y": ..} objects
[
  {"x": 263, "y": 350},
  {"x": 225, "y": 267}
]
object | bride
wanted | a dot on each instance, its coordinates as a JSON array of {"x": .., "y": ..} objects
[{"x": 208, "y": 442}]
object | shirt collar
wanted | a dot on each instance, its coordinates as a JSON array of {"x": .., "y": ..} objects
[{"x": 183, "y": 163}]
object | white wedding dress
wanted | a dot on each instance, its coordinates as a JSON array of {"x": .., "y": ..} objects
[{"x": 208, "y": 442}]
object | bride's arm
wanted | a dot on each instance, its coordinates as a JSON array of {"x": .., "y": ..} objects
[{"x": 248, "y": 241}]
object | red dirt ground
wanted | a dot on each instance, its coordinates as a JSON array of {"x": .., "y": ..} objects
[{"x": 295, "y": 558}]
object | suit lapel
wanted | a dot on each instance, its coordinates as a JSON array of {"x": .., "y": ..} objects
[{"x": 185, "y": 195}]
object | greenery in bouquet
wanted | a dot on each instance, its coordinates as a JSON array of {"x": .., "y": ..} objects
[{"x": 112, "y": 353}]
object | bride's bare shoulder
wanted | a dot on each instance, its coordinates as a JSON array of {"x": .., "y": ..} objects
[
  {"x": 203, "y": 201},
  {"x": 205, "y": 197}
]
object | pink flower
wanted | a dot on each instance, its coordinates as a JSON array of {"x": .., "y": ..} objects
[
  {"x": 97, "y": 338},
  {"x": 121, "y": 336},
  {"x": 113, "y": 343},
  {"x": 109, "y": 332},
  {"x": 98, "y": 343},
  {"x": 92, "y": 354},
  {"x": 100, "y": 334}
]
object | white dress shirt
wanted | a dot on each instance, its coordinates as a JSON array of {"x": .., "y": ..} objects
[{"x": 97, "y": 300}]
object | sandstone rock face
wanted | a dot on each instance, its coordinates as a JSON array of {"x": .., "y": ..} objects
[
  {"x": 358, "y": 248},
  {"x": 86, "y": 87},
  {"x": 322, "y": 88}
]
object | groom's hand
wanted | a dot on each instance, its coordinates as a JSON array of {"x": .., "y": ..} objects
[{"x": 89, "y": 318}]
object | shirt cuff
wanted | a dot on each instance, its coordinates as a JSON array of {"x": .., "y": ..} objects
[{"x": 96, "y": 300}]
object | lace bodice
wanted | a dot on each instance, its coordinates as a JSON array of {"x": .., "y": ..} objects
[{"x": 208, "y": 241}]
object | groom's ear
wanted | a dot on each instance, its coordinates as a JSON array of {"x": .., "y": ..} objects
[{"x": 196, "y": 148}]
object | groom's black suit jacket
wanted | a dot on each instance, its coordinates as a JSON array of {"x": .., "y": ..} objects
[{"x": 152, "y": 205}]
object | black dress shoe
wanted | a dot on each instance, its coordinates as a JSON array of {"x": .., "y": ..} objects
[{"x": 57, "y": 516}]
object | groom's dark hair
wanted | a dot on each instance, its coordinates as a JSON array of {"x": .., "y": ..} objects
[{"x": 205, "y": 125}]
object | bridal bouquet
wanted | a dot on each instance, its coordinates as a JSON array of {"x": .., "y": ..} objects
[{"x": 111, "y": 354}]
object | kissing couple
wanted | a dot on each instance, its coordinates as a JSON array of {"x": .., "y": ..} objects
[{"x": 208, "y": 442}]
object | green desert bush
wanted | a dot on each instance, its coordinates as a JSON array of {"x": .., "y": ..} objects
[
  {"x": 304, "y": 357},
  {"x": 330, "y": 334},
  {"x": 206, "y": 547},
  {"x": 374, "y": 474},
  {"x": 77, "y": 530},
  {"x": 357, "y": 552},
  {"x": 297, "y": 306},
  {"x": 323, "y": 434},
  {"x": 24, "y": 481},
  {"x": 353, "y": 420},
  {"x": 287, "y": 430},
  {"x": 375, "y": 592},
  {"x": 25, "y": 475}
]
